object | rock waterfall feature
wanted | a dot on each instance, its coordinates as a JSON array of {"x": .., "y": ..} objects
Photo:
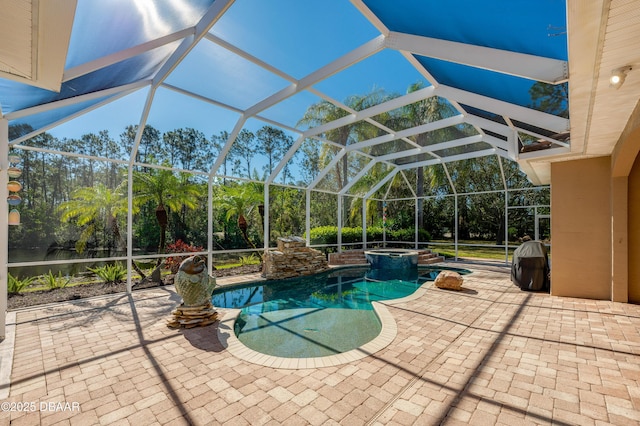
[{"x": 292, "y": 259}]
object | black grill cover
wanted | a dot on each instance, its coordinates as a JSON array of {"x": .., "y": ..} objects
[{"x": 530, "y": 267}]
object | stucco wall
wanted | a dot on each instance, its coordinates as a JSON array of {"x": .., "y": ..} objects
[
  {"x": 634, "y": 232},
  {"x": 581, "y": 228}
]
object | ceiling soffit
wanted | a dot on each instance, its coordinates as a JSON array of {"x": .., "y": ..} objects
[
  {"x": 603, "y": 36},
  {"x": 35, "y": 35}
]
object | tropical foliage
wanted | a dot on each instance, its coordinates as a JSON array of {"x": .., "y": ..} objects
[
  {"x": 97, "y": 211},
  {"x": 79, "y": 203},
  {"x": 110, "y": 274},
  {"x": 15, "y": 285}
]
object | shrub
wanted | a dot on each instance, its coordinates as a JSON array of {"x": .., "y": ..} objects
[
  {"x": 324, "y": 235},
  {"x": 252, "y": 259},
  {"x": 173, "y": 262},
  {"x": 329, "y": 234},
  {"x": 423, "y": 235},
  {"x": 374, "y": 233},
  {"x": 15, "y": 285},
  {"x": 401, "y": 235},
  {"x": 351, "y": 235},
  {"x": 408, "y": 234},
  {"x": 55, "y": 281},
  {"x": 111, "y": 274}
]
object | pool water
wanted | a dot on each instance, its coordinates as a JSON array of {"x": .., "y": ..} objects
[{"x": 316, "y": 316}]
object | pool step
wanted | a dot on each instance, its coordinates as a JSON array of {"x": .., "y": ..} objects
[
  {"x": 427, "y": 257},
  {"x": 357, "y": 257},
  {"x": 351, "y": 257}
]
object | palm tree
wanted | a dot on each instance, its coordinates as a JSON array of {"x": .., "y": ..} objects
[
  {"x": 166, "y": 190},
  {"x": 96, "y": 208},
  {"x": 240, "y": 201},
  {"x": 325, "y": 112},
  {"x": 425, "y": 111}
]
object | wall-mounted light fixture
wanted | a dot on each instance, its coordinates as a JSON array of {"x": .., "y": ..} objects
[{"x": 618, "y": 75}]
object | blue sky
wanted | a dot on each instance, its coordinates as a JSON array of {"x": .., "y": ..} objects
[
  {"x": 277, "y": 33},
  {"x": 298, "y": 37}
]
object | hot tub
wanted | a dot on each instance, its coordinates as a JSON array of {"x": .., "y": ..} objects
[{"x": 392, "y": 259}]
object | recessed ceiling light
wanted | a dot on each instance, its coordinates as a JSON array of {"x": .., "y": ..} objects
[{"x": 618, "y": 75}]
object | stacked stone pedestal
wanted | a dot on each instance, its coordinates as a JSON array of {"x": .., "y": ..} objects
[
  {"x": 192, "y": 316},
  {"x": 292, "y": 259}
]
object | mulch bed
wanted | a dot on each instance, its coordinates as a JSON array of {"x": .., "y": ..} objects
[{"x": 25, "y": 300}]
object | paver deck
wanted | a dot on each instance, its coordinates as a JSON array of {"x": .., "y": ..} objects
[{"x": 490, "y": 354}]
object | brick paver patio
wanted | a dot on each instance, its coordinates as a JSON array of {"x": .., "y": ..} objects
[{"x": 491, "y": 354}]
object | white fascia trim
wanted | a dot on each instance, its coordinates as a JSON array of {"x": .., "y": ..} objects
[
  {"x": 328, "y": 167},
  {"x": 382, "y": 182},
  {"x": 371, "y": 17},
  {"x": 356, "y": 55},
  {"x": 539, "y": 136},
  {"x": 526, "y": 115},
  {"x": 543, "y": 153},
  {"x": 357, "y": 177},
  {"x": 234, "y": 49},
  {"x": 228, "y": 107},
  {"x": 200, "y": 97},
  {"x": 290, "y": 153},
  {"x": 227, "y": 146},
  {"x": 76, "y": 99},
  {"x": 538, "y": 68},
  {"x": 71, "y": 117},
  {"x": 485, "y": 124},
  {"x": 390, "y": 105},
  {"x": 406, "y": 180},
  {"x": 430, "y": 148},
  {"x": 212, "y": 15},
  {"x": 423, "y": 128},
  {"x": 122, "y": 55},
  {"x": 420, "y": 68},
  {"x": 451, "y": 158},
  {"x": 499, "y": 143}
]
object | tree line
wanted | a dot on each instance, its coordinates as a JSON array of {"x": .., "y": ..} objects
[{"x": 79, "y": 202}]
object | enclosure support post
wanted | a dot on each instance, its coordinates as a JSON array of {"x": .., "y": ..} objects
[
  {"x": 210, "y": 225},
  {"x": 364, "y": 223},
  {"x": 455, "y": 230},
  {"x": 266, "y": 217},
  {"x": 506, "y": 227},
  {"x": 416, "y": 233},
  {"x": 506, "y": 211},
  {"x": 307, "y": 217},
  {"x": 339, "y": 223},
  {"x": 384, "y": 223},
  {"x": 132, "y": 159},
  {"x": 4, "y": 223}
]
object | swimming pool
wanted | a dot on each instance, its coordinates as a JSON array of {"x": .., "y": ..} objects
[{"x": 316, "y": 316}]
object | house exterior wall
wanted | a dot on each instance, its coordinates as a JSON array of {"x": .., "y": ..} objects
[
  {"x": 625, "y": 172},
  {"x": 634, "y": 232},
  {"x": 581, "y": 228}
]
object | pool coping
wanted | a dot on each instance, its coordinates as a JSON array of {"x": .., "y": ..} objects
[{"x": 388, "y": 333}]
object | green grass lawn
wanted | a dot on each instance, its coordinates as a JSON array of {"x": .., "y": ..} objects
[
  {"x": 476, "y": 252},
  {"x": 493, "y": 253}
]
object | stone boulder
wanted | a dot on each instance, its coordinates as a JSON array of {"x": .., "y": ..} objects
[{"x": 449, "y": 280}]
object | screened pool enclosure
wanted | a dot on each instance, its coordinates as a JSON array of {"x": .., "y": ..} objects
[{"x": 142, "y": 127}]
